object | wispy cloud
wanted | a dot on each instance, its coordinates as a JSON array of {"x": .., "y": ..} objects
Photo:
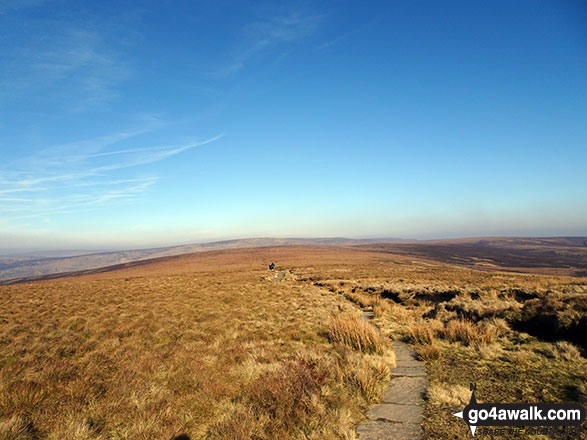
[
  {"x": 14, "y": 5},
  {"x": 75, "y": 65},
  {"x": 261, "y": 36},
  {"x": 61, "y": 183},
  {"x": 346, "y": 35}
]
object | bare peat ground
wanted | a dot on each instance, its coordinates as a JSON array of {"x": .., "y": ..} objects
[{"x": 213, "y": 345}]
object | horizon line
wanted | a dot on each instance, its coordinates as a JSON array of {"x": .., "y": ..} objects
[{"x": 7, "y": 252}]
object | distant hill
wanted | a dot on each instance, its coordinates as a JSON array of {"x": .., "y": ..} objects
[
  {"x": 556, "y": 256},
  {"x": 552, "y": 255},
  {"x": 31, "y": 266}
]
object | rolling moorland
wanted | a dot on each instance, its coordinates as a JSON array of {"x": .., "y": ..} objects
[
  {"x": 214, "y": 345},
  {"x": 556, "y": 256},
  {"x": 35, "y": 264}
]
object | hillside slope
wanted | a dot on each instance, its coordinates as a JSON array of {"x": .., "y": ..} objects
[{"x": 24, "y": 267}]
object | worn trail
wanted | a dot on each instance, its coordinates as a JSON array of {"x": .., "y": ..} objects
[{"x": 400, "y": 413}]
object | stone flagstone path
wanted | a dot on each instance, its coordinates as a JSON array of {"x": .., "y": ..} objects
[{"x": 399, "y": 415}]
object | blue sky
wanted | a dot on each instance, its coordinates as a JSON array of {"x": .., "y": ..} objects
[{"x": 130, "y": 124}]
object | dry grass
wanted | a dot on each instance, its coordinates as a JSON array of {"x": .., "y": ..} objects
[
  {"x": 465, "y": 331},
  {"x": 423, "y": 334},
  {"x": 361, "y": 299},
  {"x": 368, "y": 374},
  {"x": 351, "y": 330},
  {"x": 567, "y": 351},
  {"x": 237, "y": 423},
  {"x": 398, "y": 313},
  {"x": 454, "y": 395},
  {"x": 496, "y": 326},
  {"x": 489, "y": 304},
  {"x": 382, "y": 308},
  {"x": 560, "y": 350},
  {"x": 278, "y": 403},
  {"x": 16, "y": 428},
  {"x": 491, "y": 352},
  {"x": 208, "y": 347},
  {"x": 469, "y": 326},
  {"x": 429, "y": 352}
]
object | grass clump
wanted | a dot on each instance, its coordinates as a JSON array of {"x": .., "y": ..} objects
[
  {"x": 445, "y": 395},
  {"x": 465, "y": 331},
  {"x": 560, "y": 350},
  {"x": 361, "y": 299},
  {"x": 278, "y": 403},
  {"x": 296, "y": 399},
  {"x": 289, "y": 395},
  {"x": 494, "y": 325},
  {"x": 422, "y": 334},
  {"x": 239, "y": 423},
  {"x": 567, "y": 351},
  {"x": 380, "y": 308},
  {"x": 353, "y": 331},
  {"x": 17, "y": 428},
  {"x": 429, "y": 352},
  {"x": 366, "y": 374}
]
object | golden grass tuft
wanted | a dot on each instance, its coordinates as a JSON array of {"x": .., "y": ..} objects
[
  {"x": 425, "y": 332},
  {"x": 361, "y": 299},
  {"x": 563, "y": 350},
  {"x": 77, "y": 429},
  {"x": 368, "y": 375},
  {"x": 295, "y": 399},
  {"x": 465, "y": 331},
  {"x": 448, "y": 395},
  {"x": 381, "y": 308},
  {"x": 429, "y": 352},
  {"x": 491, "y": 351},
  {"x": 351, "y": 330},
  {"x": 567, "y": 351},
  {"x": 422, "y": 334},
  {"x": 17, "y": 428},
  {"x": 497, "y": 326},
  {"x": 238, "y": 423},
  {"x": 399, "y": 313}
]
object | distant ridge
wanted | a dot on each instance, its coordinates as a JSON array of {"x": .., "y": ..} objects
[
  {"x": 548, "y": 255},
  {"x": 32, "y": 266}
]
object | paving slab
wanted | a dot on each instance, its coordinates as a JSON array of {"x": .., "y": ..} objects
[
  {"x": 393, "y": 412},
  {"x": 406, "y": 390},
  {"x": 374, "y": 430},
  {"x": 408, "y": 363},
  {"x": 409, "y": 371},
  {"x": 402, "y": 408}
]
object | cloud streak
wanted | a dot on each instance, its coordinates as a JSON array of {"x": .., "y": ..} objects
[
  {"x": 74, "y": 183},
  {"x": 75, "y": 65},
  {"x": 261, "y": 36},
  {"x": 346, "y": 35},
  {"x": 7, "y": 6}
]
